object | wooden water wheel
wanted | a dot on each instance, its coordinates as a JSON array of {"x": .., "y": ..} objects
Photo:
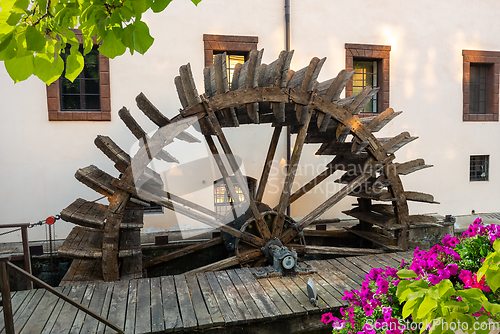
[{"x": 258, "y": 94}]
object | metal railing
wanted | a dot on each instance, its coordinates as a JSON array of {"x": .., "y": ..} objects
[{"x": 7, "y": 305}]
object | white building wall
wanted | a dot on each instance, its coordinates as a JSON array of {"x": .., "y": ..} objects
[{"x": 39, "y": 158}]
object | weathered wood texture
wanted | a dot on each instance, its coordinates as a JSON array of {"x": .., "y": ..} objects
[{"x": 191, "y": 303}]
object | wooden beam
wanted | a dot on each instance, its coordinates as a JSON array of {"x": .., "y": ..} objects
[
  {"x": 141, "y": 135},
  {"x": 220, "y": 164},
  {"x": 251, "y": 239},
  {"x": 259, "y": 220},
  {"x": 159, "y": 119},
  {"x": 309, "y": 249},
  {"x": 400, "y": 208},
  {"x": 268, "y": 163},
  {"x": 182, "y": 252},
  {"x": 311, "y": 184},
  {"x": 229, "y": 262},
  {"x": 292, "y": 169},
  {"x": 325, "y": 206}
]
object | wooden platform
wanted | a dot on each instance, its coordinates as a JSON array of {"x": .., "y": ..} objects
[{"x": 216, "y": 302}]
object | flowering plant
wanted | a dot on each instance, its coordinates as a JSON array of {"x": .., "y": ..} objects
[{"x": 449, "y": 281}]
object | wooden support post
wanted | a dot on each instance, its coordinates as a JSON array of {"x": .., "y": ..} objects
[
  {"x": 5, "y": 289},
  {"x": 400, "y": 207},
  {"x": 27, "y": 255}
]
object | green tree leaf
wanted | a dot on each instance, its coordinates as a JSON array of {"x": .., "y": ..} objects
[
  {"x": 160, "y": 5},
  {"x": 493, "y": 308},
  {"x": 410, "y": 306},
  {"x": 74, "y": 65},
  {"x": 128, "y": 37},
  {"x": 48, "y": 68},
  {"x": 20, "y": 69},
  {"x": 405, "y": 273},
  {"x": 139, "y": 7},
  {"x": 427, "y": 305},
  {"x": 445, "y": 288},
  {"x": 196, "y": 2},
  {"x": 21, "y": 4},
  {"x": 493, "y": 279},
  {"x": 141, "y": 37},
  {"x": 496, "y": 245},
  {"x": 111, "y": 47},
  {"x": 34, "y": 39},
  {"x": 10, "y": 51},
  {"x": 14, "y": 19},
  {"x": 5, "y": 40}
]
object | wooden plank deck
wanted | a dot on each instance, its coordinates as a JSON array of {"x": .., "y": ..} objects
[{"x": 223, "y": 301}]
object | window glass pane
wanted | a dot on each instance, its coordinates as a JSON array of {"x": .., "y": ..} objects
[
  {"x": 479, "y": 168},
  {"x": 365, "y": 75},
  {"x": 92, "y": 86},
  {"x": 92, "y": 102},
  {"x": 70, "y": 102},
  {"x": 92, "y": 57},
  {"x": 231, "y": 62},
  {"x": 478, "y": 88},
  {"x": 91, "y": 71},
  {"x": 83, "y": 93},
  {"x": 68, "y": 87}
]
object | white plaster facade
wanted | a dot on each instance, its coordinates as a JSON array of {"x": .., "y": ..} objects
[{"x": 39, "y": 157}]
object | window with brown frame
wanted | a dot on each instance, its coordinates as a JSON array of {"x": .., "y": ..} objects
[
  {"x": 371, "y": 66},
  {"x": 87, "y": 98},
  {"x": 237, "y": 49},
  {"x": 481, "y": 72}
]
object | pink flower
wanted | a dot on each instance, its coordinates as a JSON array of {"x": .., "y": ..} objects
[
  {"x": 383, "y": 286},
  {"x": 338, "y": 324},
  {"x": 327, "y": 318},
  {"x": 387, "y": 312},
  {"x": 433, "y": 279},
  {"x": 452, "y": 268},
  {"x": 368, "y": 310}
]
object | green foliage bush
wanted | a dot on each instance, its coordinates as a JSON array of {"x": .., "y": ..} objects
[
  {"x": 33, "y": 33},
  {"x": 450, "y": 287}
]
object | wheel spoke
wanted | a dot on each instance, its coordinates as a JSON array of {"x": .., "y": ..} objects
[
  {"x": 189, "y": 212},
  {"x": 225, "y": 175},
  {"x": 311, "y": 184},
  {"x": 268, "y": 164},
  {"x": 290, "y": 177},
  {"x": 229, "y": 262},
  {"x": 181, "y": 252},
  {"x": 325, "y": 206},
  {"x": 260, "y": 223}
]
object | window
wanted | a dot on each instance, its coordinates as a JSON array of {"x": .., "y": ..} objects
[
  {"x": 231, "y": 61},
  {"x": 477, "y": 88},
  {"x": 365, "y": 74},
  {"x": 222, "y": 198},
  {"x": 371, "y": 66},
  {"x": 237, "y": 48},
  {"x": 153, "y": 208},
  {"x": 83, "y": 93},
  {"x": 480, "y": 85},
  {"x": 88, "y": 97},
  {"x": 479, "y": 166}
]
